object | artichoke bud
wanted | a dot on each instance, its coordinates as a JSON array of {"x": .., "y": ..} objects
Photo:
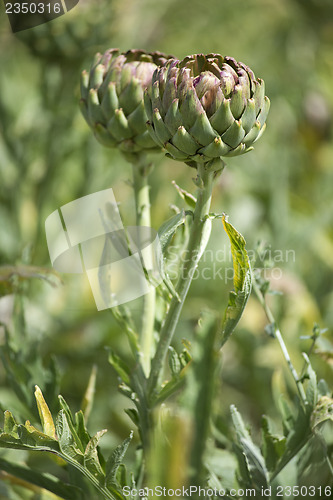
[
  {"x": 206, "y": 107},
  {"x": 112, "y": 98}
]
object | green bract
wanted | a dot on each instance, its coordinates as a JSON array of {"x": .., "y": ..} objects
[
  {"x": 205, "y": 107},
  {"x": 112, "y": 98}
]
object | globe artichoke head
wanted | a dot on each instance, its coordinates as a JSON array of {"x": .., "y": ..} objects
[
  {"x": 112, "y": 98},
  {"x": 205, "y": 107}
]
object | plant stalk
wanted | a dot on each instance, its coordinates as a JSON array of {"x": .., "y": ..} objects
[
  {"x": 278, "y": 336},
  {"x": 193, "y": 253},
  {"x": 142, "y": 206}
]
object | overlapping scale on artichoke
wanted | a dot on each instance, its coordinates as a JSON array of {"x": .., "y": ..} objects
[
  {"x": 112, "y": 98},
  {"x": 205, "y": 107}
]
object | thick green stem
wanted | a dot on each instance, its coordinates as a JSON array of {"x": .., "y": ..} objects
[
  {"x": 278, "y": 336},
  {"x": 196, "y": 245},
  {"x": 142, "y": 205}
]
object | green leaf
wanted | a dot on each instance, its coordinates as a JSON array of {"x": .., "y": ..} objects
[
  {"x": 69, "y": 422},
  {"x": 121, "y": 368},
  {"x": 81, "y": 430},
  {"x": 242, "y": 282},
  {"x": 91, "y": 458},
  {"x": 45, "y": 414},
  {"x": 311, "y": 388},
  {"x": 256, "y": 464},
  {"x": 323, "y": 412},
  {"x": 313, "y": 464},
  {"x": 88, "y": 463},
  {"x": 239, "y": 425},
  {"x": 88, "y": 398},
  {"x": 46, "y": 481},
  {"x": 273, "y": 446},
  {"x": 35, "y": 434},
  {"x": 67, "y": 442},
  {"x": 165, "y": 234},
  {"x": 187, "y": 197},
  {"x": 168, "y": 229},
  {"x": 10, "y": 426},
  {"x": 299, "y": 432},
  {"x": 115, "y": 460},
  {"x": 133, "y": 415},
  {"x": 222, "y": 467},
  {"x": 287, "y": 415},
  {"x": 252, "y": 464},
  {"x": 169, "y": 388},
  {"x": 174, "y": 362}
]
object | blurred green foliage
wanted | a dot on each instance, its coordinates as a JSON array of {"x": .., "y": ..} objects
[{"x": 281, "y": 193}]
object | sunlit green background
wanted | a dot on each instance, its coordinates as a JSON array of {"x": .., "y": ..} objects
[{"x": 281, "y": 193}]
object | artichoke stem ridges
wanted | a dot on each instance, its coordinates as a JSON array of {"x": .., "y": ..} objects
[
  {"x": 141, "y": 169},
  {"x": 196, "y": 245}
]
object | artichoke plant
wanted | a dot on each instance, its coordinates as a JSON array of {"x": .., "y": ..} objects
[
  {"x": 205, "y": 107},
  {"x": 112, "y": 98}
]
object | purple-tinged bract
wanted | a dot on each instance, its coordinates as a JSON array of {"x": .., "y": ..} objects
[{"x": 205, "y": 107}]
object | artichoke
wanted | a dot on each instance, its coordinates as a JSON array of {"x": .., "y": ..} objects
[
  {"x": 112, "y": 98},
  {"x": 205, "y": 107}
]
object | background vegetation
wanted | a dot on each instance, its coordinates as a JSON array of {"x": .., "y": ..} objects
[{"x": 281, "y": 194}]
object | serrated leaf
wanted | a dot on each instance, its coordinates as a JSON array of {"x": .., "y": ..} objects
[
  {"x": 45, "y": 414},
  {"x": 37, "y": 435},
  {"x": 242, "y": 282},
  {"x": 27, "y": 437},
  {"x": 70, "y": 422},
  {"x": 91, "y": 458},
  {"x": 10, "y": 425},
  {"x": 115, "y": 460},
  {"x": 67, "y": 443}
]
